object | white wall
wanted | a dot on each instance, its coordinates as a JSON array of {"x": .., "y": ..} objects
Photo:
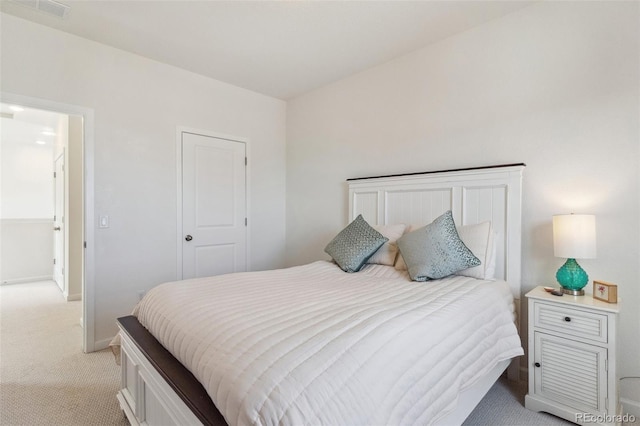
[
  {"x": 554, "y": 85},
  {"x": 26, "y": 173},
  {"x": 138, "y": 103},
  {"x": 26, "y": 204},
  {"x": 27, "y": 250}
]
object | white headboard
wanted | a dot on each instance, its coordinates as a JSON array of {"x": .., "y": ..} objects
[{"x": 473, "y": 195}]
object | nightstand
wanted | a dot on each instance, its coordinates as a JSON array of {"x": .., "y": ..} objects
[{"x": 572, "y": 357}]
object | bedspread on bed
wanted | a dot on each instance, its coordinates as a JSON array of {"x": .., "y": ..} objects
[{"x": 315, "y": 345}]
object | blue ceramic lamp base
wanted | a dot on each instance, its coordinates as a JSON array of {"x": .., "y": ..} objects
[{"x": 572, "y": 278}]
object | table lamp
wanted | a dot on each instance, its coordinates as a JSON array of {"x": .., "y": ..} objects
[{"x": 574, "y": 237}]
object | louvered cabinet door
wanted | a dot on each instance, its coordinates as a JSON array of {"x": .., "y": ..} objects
[
  {"x": 571, "y": 373},
  {"x": 572, "y": 358}
]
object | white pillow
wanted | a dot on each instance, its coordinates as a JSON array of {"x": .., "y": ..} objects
[
  {"x": 490, "y": 269},
  {"x": 400, "y": 265},
  {"x": 479, "y": 239},
  {"x": 386, "y": 255}
]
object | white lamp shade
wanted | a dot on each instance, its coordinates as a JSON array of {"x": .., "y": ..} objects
[{"x": 574, "y": 236}]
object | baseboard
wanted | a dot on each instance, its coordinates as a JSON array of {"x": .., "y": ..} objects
[
  {"x": 629, "y": 393},
  {"x": 72, "y": 297},
  {"x": 630, "y": 407},
  {"x": 102, "y": 344},
  {"x": 27, "y": 280}
]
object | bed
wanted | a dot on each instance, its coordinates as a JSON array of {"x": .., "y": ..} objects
[{"x": 315, "y": 345}]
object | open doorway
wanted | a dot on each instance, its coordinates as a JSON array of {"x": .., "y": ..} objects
[
  {"x": 44, "y": 197},
  {"x": 41, "y": 198}
]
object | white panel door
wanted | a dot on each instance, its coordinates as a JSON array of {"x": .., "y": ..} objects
[
  {"x": 58, "y": 223},
  {"x": 213, "y": 206}
]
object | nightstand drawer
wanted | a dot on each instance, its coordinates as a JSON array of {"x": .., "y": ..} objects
[{"x": 570, "y": 321}]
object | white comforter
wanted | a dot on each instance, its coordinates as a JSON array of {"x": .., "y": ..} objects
[{"x": 315, "y": 345}]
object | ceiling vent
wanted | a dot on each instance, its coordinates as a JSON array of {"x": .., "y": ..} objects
[{"x": 49, "y": 7}]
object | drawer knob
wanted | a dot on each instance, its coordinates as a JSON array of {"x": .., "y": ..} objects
[
  {"x": 537, "y": 364},
  {"x": 567, "y": 319}
]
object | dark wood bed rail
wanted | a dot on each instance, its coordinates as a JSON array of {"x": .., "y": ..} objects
[
  {"x": 181, "y": 380},
  {"x": 438, "y": 171}
]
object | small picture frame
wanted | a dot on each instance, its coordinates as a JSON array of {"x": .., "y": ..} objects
[{"x": 605, "y": 291}]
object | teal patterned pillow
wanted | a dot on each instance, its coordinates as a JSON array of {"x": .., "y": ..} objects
[
  {"x": 436, "y": 251},
  {"x": 354, "y": 245}
]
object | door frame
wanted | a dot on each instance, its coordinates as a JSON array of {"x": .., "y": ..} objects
[
  {"x": 65, "y": 235},
  {"x": 247, "y": 170},
  {"x": 88, "y": 282}
]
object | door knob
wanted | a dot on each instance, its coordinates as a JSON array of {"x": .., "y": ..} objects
[
  {"x": 188, "y": 238},
  {"x": 57, "y": 228}
]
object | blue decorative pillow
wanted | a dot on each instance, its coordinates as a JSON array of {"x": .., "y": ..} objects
[
  {"x": 354, "y": 245},
  {"x": 436, "y": 251}
]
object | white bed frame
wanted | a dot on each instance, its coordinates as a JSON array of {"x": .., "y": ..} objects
[{"x": 473, "y": 195}]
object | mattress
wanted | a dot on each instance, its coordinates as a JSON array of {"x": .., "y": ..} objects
[{"x": 315, "y": 345}]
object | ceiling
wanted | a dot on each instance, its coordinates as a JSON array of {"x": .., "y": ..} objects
[
  {"x": 278, "y": 48},
  {"x": 28, "y": 126}
]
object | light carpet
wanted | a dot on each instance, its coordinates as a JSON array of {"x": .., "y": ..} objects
[
  {"x": 503, "y": 405},
  {"x": 45, "y": 379}
]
